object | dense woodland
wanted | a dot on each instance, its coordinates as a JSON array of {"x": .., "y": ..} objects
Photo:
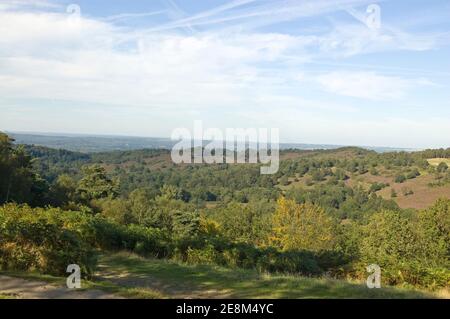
[{"x": 62, "y": 207}]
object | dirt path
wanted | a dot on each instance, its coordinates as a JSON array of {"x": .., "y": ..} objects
[{"x": 30, "y": 289}]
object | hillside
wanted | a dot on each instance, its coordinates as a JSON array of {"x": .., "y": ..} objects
[
  {"x": 374, "y": 172},
  {"x": 326, "y": 214}
]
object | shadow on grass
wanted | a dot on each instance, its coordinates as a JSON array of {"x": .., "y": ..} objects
[{"x": 205, "y": 281}]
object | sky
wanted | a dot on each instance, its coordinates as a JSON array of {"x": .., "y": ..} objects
[{"x": 346, "y": 72}]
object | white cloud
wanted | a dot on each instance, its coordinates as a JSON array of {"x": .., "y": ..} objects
[
  {"x": 55, "y": 56},
  {"x": 264, "y": 77},
  {"x": 26, "y": 4},
  {"x": 367, "y": 85}
]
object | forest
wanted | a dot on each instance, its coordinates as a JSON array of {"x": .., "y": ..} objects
[{"x": 325, "y": 213}]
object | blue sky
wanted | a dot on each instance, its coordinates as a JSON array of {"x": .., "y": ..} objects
[{"x": 317, "y": 70}]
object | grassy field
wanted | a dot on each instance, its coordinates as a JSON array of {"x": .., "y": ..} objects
[
  {"x": 437, "y": 161},
  {"x": 130, "y": 276},
  {"x": 176, "y": 280}
]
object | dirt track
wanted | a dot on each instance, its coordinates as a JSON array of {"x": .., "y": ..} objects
[{"x": 30, "y": 289}]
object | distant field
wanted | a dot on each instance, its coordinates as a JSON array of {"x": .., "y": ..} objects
[
  {"x": 437, "y": 161},
  {"x": 424, "y": 196}
]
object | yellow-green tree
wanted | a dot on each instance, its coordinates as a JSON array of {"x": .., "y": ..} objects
[{"x": 302, "y": 226}]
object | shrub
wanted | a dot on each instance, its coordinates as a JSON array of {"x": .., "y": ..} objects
[
  {"x": 409, "y": 251},
  {"x": 400, "y": 179},
  {"x": 293, "y": 262},
  {"x": 413, "y": 174},
  {"x": 207, "y": 255},
  {"x": 142, "y": 240},
  {"x": 43, "y": 240}
]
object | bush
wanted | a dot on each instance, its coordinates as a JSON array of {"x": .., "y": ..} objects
[
  {"x": 142, "y": 240},
  {"x": 207, "y": 255},
  {"x": 409, "y": 251},
  {"x": 293, "y": 262},
  {"x": 43, "y": 240},
  {"x": 48, "y": 240},
  {"x": 413, "y": 174},
  {"x": 400, "y": 179}
]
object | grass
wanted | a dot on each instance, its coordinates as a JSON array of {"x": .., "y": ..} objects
[
  {"x": 131, "y": 276},
  {"x": 437, "y": 161},
  {"x": 206, "y": 281}
]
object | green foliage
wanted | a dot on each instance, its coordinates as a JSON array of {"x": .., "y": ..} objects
[
  {"x": 95, "y": 184},
  {"x": 185, "y": 224},
  {"x": 142, "y": 240},
  {"x": 64, "y": 190},
  {"x": 44, "y": 240},
  {"x": 117, "y": 210},
  {"x": 413, "y": 174},
  {"x": 375, "y": 187},
  {"x": 389, "y": 238},
  {"x": 400, "y": 179},
  {"x": 434, "y": 226},
  {"x": 223, "y": 214},
  {"x": 408, "y": 251},
  {"x": 18, "y": 182},
  {"x": 302, "y": 226},
  {"x": 442, "y": 167},
  {"x": 247, "y": 223}
]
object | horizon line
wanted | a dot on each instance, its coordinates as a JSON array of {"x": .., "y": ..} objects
[{"x": 111, "y": 136}]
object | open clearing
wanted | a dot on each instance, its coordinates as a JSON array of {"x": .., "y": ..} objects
[
  {"x": 178, "y": 280},
  {"x": 437, "y": 161}
]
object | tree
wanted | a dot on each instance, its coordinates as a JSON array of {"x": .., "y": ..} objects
[
  {"x": 434, "y": 227},
  {"x": 18, "y": 182},
  {"x": 64, "y": 190},
  {"x": 248, "y": 223},
  {"x": 389, "y": 240},
  {"x": 185, "y": 224},
  {"x": 140, "y": 204},
  {"x": 96, "y": 184},
  {"x": 170, "y": 192},
  {"x": 117, "y": 210},
  {"x": 302, "y": 226}
]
